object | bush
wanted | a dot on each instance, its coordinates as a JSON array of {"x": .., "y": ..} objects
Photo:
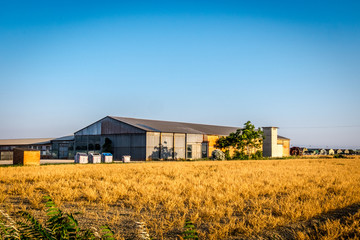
[
  {"x": 240, "y": 156},
  {"x": 59, "y": 225},
  {"x": 257, "y": 156},
  {"x": 227, "y": 154},
  {"x": 218, "y": 155}
]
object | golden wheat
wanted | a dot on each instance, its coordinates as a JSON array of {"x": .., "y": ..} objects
[{"x": 229, "y": 199}]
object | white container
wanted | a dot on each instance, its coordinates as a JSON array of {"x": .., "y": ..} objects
[
  {"x": 94, "y": 158},
  {"x": 126, "y": 158},
  {"x": 81, "y": 158},
  {"x": 106, "y": 158}
]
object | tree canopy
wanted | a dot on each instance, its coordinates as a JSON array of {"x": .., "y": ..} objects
[{"x": 247, "y": 138}]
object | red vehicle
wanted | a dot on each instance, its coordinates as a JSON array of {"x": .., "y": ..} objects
[{"x": 295, "y": 151}]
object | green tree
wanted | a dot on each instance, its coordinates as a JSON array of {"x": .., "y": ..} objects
[{"x": 245, "y": 139}]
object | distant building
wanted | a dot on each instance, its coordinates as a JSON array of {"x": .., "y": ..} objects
[
  {"x": 323, "y": 152},
  {"x": 7, "y": 146},
  {"x": 62, "y": 148},
  {"x": 339, "y": 151},
  {"x": 304, "y": 151}
]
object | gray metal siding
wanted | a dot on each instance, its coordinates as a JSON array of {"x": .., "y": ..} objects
[
  {"x": 195, "y": 140},
  {"x": 172, "y": 145},
  {"x": 108, "y": 126},
  {"x": 180, "y": 145},
  {"x": 167, "y": 144},
  {"x": 112, "y": 126},
  {"x": 128, "y": 144},
  {"x": 93, "y": 129},
  {"x": 152, "y": 145}
]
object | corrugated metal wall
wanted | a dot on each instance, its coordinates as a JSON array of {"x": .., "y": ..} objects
[
  {"x": 93, "y": 129},
  {"x": 128, "y": 144},
  {"x": 173, "y": 145},
  {"x": 152, "y": 145},
  {"x": 180, "y": 145},
  {"x": 112, "y": 126}
]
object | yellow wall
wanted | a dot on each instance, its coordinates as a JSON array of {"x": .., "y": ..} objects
[
  {"x": 31, "y": 157},
  {"x": 286, "y": 146},
  {"x": 26, "y": 157},
  {"x": 211, "y": 139}
]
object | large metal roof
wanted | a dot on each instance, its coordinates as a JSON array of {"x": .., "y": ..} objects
[
  {"x": 25, "y": 141},
  {"x": 65, "y": 138},
  {"x": 176, "y": 127}
]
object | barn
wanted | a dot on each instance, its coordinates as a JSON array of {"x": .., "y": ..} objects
[{"x": 145, "y": 139}]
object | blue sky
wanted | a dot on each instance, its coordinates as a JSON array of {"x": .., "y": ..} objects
[{"x": 290, "y": 64}]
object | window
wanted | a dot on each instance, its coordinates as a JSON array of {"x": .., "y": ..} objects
[
  {"x": 189, "y": 151},
  {"x": 204, "y": 150}
]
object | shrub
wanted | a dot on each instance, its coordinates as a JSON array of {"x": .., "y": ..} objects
[
  {"x": 240, "y": 156},
  {"x": 257, "y": 156},
  {"x": 218, "y": 155},
  {"x": 59, "y": 225},
  {"x": 227, "y": 154}
]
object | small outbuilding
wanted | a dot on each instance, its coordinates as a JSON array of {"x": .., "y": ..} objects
[{"x": 26, "y": 156}]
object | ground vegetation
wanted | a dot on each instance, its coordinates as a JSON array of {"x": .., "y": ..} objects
[{"x": 290, "y": 199}]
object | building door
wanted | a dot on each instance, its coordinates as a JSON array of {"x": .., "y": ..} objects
[
  {"x": 63, "y": 150},
  {"x": 204, "y": 149}
]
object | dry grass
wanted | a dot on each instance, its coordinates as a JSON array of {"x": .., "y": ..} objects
[{"x": 299, "y": 199}]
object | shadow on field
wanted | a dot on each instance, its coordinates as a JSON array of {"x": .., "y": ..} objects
[{"x": 309, "y": 226}]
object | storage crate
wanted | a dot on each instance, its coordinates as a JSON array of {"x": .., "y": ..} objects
[
  {"x": 94, "y": 158},
  {"x": 26, "y": 156},
  {"x": 106, "y": 157},
  {"x": 81, "y": 158},
  {"x": 126, "y": 158}
]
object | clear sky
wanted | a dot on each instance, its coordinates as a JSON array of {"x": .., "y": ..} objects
[{"x": 290, "y": 64}]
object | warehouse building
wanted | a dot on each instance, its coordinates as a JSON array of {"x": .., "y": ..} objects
[
  {"x": 144, "y": 139},
  {"x": 50, "y": 148},
  {"x": 7, "y": 146}
]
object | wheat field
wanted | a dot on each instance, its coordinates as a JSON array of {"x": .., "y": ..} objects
[{"x": 283, "y": 199}]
